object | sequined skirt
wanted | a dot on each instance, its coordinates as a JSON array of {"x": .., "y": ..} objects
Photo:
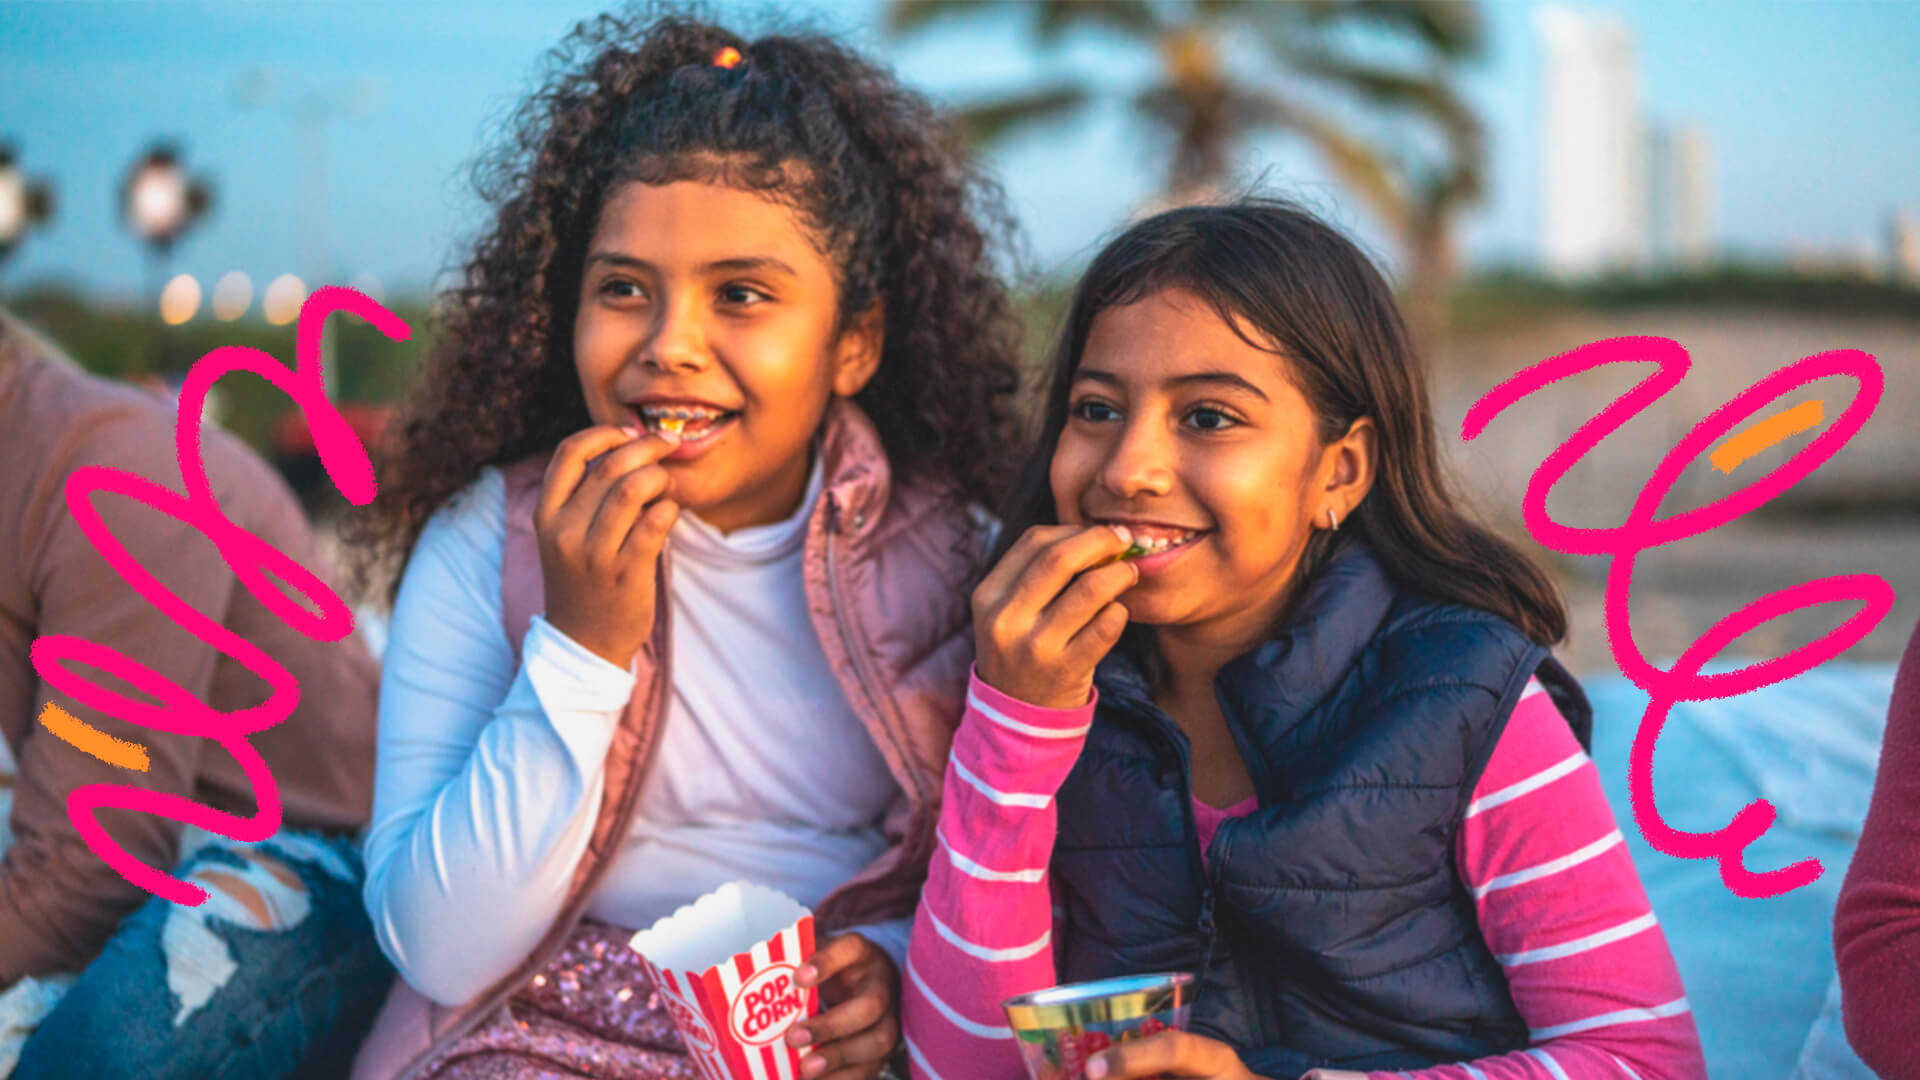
[{"x": 591, "y": 1013}]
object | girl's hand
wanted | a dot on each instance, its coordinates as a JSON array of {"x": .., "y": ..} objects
[
  {"x": 1171, "y": 1054},
  {"x": 602, "y": 520},
  {"x": 860, "y": 1028},
  {"x": 1045, "y": 615}
]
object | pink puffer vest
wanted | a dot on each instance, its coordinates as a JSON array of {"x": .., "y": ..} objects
[{"x": 888, "y": 574}]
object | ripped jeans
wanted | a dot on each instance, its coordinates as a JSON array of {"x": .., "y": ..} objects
[{"x": 277, "y": 974}]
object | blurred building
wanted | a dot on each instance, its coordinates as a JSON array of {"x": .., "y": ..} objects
[
  {"x": 1592, "y": 217},
  {"x": 1680, "y": 196},
  {"x": 1903, "y": 247}
]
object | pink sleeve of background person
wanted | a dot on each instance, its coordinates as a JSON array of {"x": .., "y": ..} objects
[
  {"x": 1876, "y": 928},
  {"x": 1561, "y": 905},
  {"x": 984, "y": 930}
]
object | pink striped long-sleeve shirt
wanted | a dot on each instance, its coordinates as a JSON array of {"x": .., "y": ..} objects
[{"x": 1555, "y": 892}]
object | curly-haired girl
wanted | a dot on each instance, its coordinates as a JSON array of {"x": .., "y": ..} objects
[{"x": 738, "y": 314}]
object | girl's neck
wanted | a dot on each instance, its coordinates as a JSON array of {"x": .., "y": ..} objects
[{"x": 1191, "y": 655}]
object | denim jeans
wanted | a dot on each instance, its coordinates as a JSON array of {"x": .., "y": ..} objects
[{"x": 277, "y": 974}]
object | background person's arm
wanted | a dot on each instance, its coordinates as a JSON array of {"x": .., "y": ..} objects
[
  {"x": 58, "y": 900},
  {"x": 1876, "y": 927}
]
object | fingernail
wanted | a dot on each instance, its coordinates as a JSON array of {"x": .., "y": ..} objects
[
  {"x": 1097, "y": 1068},
  {"x": 798, "y": 1036},
  {"x": 813, "y": 1066},
  {"x": 807, "y": 974},
  {"x": 632, "y": 431},
  {"x": 1121, "y": 531}
]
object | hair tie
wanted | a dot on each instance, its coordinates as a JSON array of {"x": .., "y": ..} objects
[{"x": 728, "y": 57}]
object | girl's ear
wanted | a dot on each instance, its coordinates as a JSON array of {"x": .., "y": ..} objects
[
  {"x": 856, "y": 356},
  {"x": 1348, "y": 465}
]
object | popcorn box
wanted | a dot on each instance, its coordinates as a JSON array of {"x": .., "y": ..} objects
[{"x": 724, "y": 967}]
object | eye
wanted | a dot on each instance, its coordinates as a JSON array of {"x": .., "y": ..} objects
[
  {"x": 742, "y": 295},
  {"x": 1092, "y": 410},
  {"x": 621, "y": 288},
  {"x": 1207, "y": 418}
]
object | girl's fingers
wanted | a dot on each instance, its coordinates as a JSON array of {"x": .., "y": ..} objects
[
  {"x": 1168, "y": 1053},
  {"x": 1005, "y": 574},
  {"x": 622, "y": 506},
  {"x": 612, "y": 467},
  {"x": 856, "y": 1014},
  {"x": 856, "y": 1057},
  {"x": 1053, "y": 569},
  {"x": 649, "y": 534},
  {"x": 1086, "y": 598},
  {"x": 1099, "y": 636},
  {"x": 569, "y": 463},
  {"x": 838, "y": 954}
]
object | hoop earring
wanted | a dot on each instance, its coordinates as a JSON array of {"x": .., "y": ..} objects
[{"x": 1333, "y": 520}]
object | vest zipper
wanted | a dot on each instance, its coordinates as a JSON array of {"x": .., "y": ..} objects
[{"x": 857, "y": 654}]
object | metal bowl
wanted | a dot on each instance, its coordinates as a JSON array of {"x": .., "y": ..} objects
[{"x": 1060, "y": 1028}]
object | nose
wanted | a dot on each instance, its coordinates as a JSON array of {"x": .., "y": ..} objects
[
  {"x": 1140, "y": 461},
  {"x": 679, "y": 339}
]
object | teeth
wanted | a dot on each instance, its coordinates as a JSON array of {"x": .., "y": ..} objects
[
  {"x": 1153, "y": 545},
  {"x": 678, "y": 412}
]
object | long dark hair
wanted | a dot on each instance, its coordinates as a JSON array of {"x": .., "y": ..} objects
[
  {"x": 1313, "y": 297},
  {"x": 871, "y": 167}
]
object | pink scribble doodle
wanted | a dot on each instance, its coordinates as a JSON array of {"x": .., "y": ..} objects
[
  {"x": 255, "y": 562},
  {"x": 1642, "y": 530}
]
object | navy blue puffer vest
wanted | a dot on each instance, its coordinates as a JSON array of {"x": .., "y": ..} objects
[{"x": 1331, "y": 928}]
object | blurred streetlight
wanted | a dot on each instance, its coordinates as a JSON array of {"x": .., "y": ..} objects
[
  {"x": 158, "y": 200},
  {"x": 281, "y": 302},
  {"x": 232, "y": 295},
  {"x": 160, "y": 204},
  {"x": 24, "y": 203},
  {"x": 179, "y": 300}
]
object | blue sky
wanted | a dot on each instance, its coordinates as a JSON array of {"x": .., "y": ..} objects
[{"x": 1813, "y": 110}]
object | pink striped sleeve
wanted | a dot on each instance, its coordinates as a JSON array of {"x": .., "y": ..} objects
[
  {"x": 984, "y": 929},
  {"x": 1561, "y": 906}
]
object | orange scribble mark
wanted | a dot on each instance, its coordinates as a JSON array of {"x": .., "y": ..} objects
[
  {"x": 1747, "y": 442},
  {"x": 727, "y": 57},
  {"x": 89, "y": 739}
]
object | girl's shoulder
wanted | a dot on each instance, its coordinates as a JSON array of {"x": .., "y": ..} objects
[{"x": 463, "y": 540}]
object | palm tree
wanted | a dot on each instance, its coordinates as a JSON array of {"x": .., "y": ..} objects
[{"x": 1420, "y": 160}]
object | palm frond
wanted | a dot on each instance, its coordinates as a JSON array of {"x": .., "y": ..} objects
[
  {"x": 1451, "y": 28},
  {"x": 1364, "y": 169},
  {"x": 990, "y": 121}
]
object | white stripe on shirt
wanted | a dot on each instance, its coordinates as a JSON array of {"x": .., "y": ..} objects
[
  {"x": 975, "y": 870},
  {"x": 982, "y": 952},
  {"x": 1551, "y": 867},
  {"x": 1008, "y": 722},
  {"x": 1624, "y": 1067},
  {"x": 983, "y": 1031},
  {"x": 1579, "y": 945},
  {"x": 1004, "y": 798},
  {"x": 1531, "y": 784},
  {"x": 1546, "y": 1060},
  {"x": 1612, "y": 1019},
  {"x": 1472, "y": 1072}
]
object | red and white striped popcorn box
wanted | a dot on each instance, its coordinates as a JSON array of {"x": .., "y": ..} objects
[{"x": 724, "y": 966}]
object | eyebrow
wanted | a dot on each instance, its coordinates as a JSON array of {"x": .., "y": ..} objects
[
  {"x": 735, "y": 265},
  {"x": 1207, "y": 378}
]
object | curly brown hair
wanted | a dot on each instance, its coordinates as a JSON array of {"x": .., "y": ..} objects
[{"x": 875, "y": 172}]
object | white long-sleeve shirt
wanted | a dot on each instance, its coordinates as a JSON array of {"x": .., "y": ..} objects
[{"x": 490, "y": 772}]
